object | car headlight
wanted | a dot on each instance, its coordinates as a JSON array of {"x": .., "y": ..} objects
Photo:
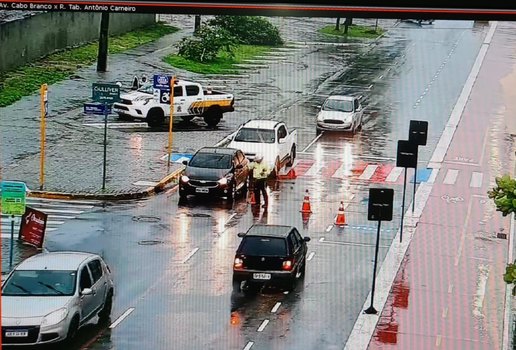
[
  {"x": 320, "y": 118},
  {"x": 223, "y": 181},
  {"x": 55, "y": 317},
  {"x": 185, "y": 178}
]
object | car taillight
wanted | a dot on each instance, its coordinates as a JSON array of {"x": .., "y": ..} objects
[
  {"x": 239, "y": 263},
  {"x": 287, "y": 265}
]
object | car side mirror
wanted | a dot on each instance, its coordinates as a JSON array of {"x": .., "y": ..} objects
[
  {"x": 185, "y": 162},
  {"x": 359, "y": 109},
  {"x": 307, "y": 239},
  {"x": 241, "y": 234},
  {"x": 282, "y": 140},
  {"x": 87, "y": 291}
]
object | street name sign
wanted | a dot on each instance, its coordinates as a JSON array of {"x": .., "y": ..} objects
[
  {"x": 105, "y": 93},
  {"x": 13, "y": 197},
  {"x": 97, "y": 108}
]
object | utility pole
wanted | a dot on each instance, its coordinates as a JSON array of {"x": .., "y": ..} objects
[
  {"x": 197, "y": 24},
  {"x": 103, "y": 43}
]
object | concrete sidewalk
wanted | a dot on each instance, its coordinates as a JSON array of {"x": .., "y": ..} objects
[{"x": 442, "y": 288}]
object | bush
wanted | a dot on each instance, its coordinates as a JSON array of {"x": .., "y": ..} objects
[
  {"x": 249, "y": 30},
  {"x": 206, "y": 44}
]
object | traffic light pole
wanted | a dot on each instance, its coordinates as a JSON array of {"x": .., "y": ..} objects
[
  {"x": 12, "y": 244},
  {"x": 403, "y": 204},
  {"x": 371, "y": 310}
]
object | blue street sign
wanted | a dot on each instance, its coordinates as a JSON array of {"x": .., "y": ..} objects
[
  {"x": 96, "y": 108},
  {"x": 422, "y": 175},
  {"x": 161, "y": 82},
  {"x": 179, "y": 157}
]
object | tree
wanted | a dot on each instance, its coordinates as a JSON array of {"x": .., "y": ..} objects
[
  {"x": 504, "y": 197},
  {"x": 347, "y": 23},
  {"x": 504, "y": 194},
  {"x": 205, "y": 45},
  {"x": 249, "y": 30},
  {"x": 103, "y": 43},
  {"x": 197, "y": 23}
]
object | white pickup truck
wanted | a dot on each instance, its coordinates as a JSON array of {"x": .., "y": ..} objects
[
  {"x": 269, "y": 138},
  {"x": 190, "y": 100}
]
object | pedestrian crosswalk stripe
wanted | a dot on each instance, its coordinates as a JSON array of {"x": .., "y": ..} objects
[
  {"x": 394, "y": 174},
  {"x": 476, "y": 179},
  {"x": 343, "y": 171},
  {"x": 368, "y": 172},
  {"x": 314, "y": 170},
  {"x": 451, "y": 177},
  {"x": 58, "y": 211}
]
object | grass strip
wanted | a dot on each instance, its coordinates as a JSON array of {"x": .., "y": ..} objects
[
  {"x": 26, "y": 80},
  {"x": 354, "y": 31},
  {"x": 223, "y": 64}
]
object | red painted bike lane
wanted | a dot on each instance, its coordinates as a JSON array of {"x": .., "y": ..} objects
[{"x": 449, "y": 291}]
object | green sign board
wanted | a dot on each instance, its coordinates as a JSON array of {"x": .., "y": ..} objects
[
  {"x": 13, "y": 197},
  {"x": 106, "y": 93}
]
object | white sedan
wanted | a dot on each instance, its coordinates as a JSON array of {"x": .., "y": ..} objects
[{"x": 340, "y": 113}]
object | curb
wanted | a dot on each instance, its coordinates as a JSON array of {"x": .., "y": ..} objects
[{"x": 159, "y": 187}]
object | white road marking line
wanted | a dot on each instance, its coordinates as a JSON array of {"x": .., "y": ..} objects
[
  {"x": 508, "y": 290},
  {"x": 230, "y": 218},
  {"x": 63, "y": 211},
  {"x": 249, "y": 345},
  {"x": 62, "y": 217},
  {"x": 481, "y": 289},
  {"x": 476, "y": 179},
  {"x": 394, "y": 174},
  {"x": 438, "y": 340},
  {"x": 355, "y": 244},
  {"x": 311, "y": 143},
  {"x": 450, "y": 288},
  {"x": 118, "y": 125},
  {"x": 263, "y": 325},
  {"x": 310, "y": 256},
  {"x": 490, "y": 33},
  {"x": 8, "y": 221},
  {"x": 321, "y": 239},
  {"x": 71, "y": 201},
  {"x": 190, "y": 255},
  {"x": 17, "y": 230},
  {"x": 328, "y": 229},
  {"x": 444, "y": 313},
  {"x": 52, "y": 205},
  {"x": 368, "y": 172},
  {"x": 276, "y": 307},
  {"x": 451, "y": 177},
  {"x": 121, "y": 318},
  {"x": 463, "y": 234}
]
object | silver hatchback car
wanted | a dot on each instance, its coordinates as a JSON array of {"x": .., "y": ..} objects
[{"x": 49, "y": 296}]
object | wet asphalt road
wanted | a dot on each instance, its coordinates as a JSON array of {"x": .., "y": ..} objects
[{"x": 172, "y": 262}]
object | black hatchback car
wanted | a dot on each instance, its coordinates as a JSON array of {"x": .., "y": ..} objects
[
  {"x": 215, "y": 171},
  {"x": 270, "y": 254}
]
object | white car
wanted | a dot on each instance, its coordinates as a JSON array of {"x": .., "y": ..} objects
[
  {"x": 340, "y": 113},
  {"x": 49, "y": 296},
  {"x": 270, "y": 138}
]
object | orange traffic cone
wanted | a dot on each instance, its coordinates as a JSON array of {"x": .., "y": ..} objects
[
  {"x": 251, "y": 199},
  {"x": 306, "y": 204},
  {"x": 340, "y": 220}
]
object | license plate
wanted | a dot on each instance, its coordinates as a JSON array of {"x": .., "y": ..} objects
[
  {"x": 17, "y": 334},
  {"x": 262, "y": 276},
  {"x": 202, "y": 190}
]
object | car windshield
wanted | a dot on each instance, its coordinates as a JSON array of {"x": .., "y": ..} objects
[
  {"x": 255, "y": 135},
  {"x": 338, "y": 105},
  {"x": 264, "y": 246},
  {"x": 40, "y": 283},
  {"x": 211, "y": 160},
  {"x": 147, "y": 89}
]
